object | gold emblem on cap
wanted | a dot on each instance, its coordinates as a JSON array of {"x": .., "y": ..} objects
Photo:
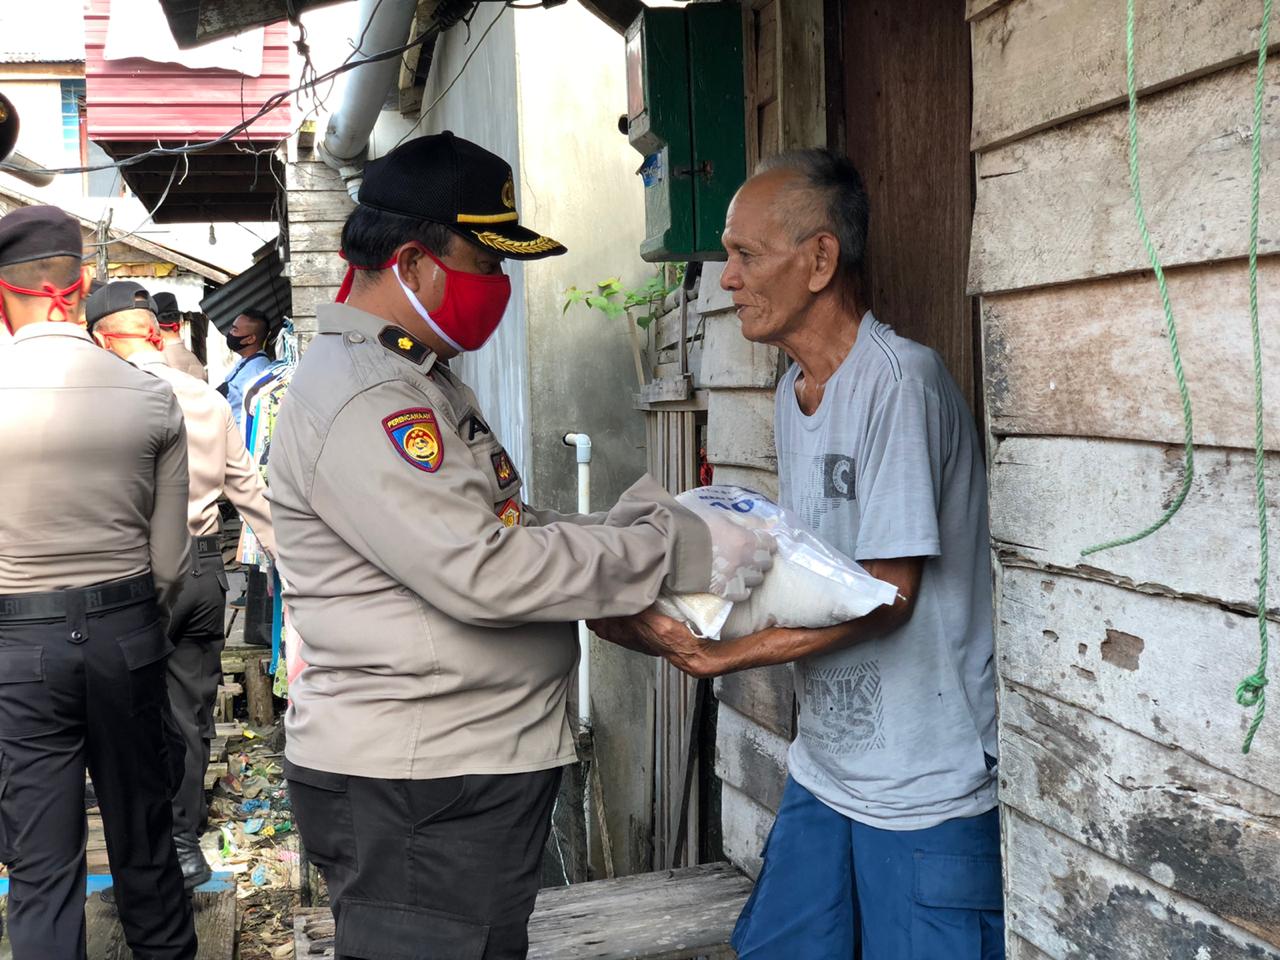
[
  {"x": 499, "y": 242},
  {"x": 404, "y": 343},
  {"x": 509, "y": 194}
]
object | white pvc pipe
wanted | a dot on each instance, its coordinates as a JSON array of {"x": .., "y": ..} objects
[{"x": 582, "y": 444}]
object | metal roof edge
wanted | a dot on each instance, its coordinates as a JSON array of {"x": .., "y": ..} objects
[{"x": 199, "y": 267}]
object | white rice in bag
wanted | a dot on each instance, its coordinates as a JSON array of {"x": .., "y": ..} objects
[{"x": 811, "y": 584}]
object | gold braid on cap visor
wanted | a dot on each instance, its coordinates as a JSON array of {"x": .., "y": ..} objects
[{"x": 499, "y": 242}]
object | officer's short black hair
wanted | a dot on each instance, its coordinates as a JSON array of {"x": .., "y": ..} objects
[
  {"x": 60, "y": 271},
  {"x": 259, "y": 317},
  {"x": 371, "y": 236}
]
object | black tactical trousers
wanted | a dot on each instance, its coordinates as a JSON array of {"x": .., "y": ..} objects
[
  {"x": 197, "y": 632},
  {"x": 442, "y": 869},
  {"x": 82, "y": 683}
]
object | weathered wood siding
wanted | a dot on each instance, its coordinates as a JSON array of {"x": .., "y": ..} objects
[
  {"x": 756, "y": 706},
  {"x": 786, "y": 109},
  {"x": 318, "y": 206},
  {"x": 1134, "y": 826}
]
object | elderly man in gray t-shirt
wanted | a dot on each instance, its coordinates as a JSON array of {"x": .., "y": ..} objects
[{"x": 888, "y": 836}]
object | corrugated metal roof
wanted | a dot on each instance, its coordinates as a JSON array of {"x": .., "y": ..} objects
[
  {"x": 261, "y": 287},
  {"x": 26, "y": 37},
  {"x": 138, "y": 100}
]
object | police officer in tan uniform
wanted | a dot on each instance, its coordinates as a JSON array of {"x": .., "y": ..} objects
[
  {"x": 93, "y": 550},
  {"x": 122, "y": 318},
  {"x": 175, "y": 351},
  {"x": 427, "y": 731}
]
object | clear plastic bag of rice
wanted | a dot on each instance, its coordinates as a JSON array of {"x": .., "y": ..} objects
[{"x": 810, "y": 585}]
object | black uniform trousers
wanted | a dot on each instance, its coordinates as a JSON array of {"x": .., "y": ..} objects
[
  {"x": 82, "y": 682},
  {"x": 196, "y": 629},
  {"x": 443, "y": 869}
]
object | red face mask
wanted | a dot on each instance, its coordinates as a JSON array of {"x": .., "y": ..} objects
[
  {"x": 471, "y": 310},
  {"x": 47, "y": 289}
]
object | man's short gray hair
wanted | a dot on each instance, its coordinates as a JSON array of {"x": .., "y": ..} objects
[{"x": 828, "y": 195}]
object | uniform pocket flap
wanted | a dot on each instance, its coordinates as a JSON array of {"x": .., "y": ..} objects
[
  {"x": 956, "y": 882},
  {"x": 21, "y": 664},
  {"x": 396, "y": 931},
  {"x": 145, "y": 646}
]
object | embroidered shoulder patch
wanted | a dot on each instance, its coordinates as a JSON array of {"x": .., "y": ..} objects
[
  {"x": 502, "y": 469},
  {"x": 509, "y": 513},
  {"x": 416, "y": 436}
]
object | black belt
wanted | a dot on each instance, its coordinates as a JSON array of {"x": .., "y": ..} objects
[{"x": 98, "y": 598}]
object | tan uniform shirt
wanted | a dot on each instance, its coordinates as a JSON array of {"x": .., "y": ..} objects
[
  {"x": 93, "y": 467},
  {"x": 432, "y": 603},
  {"x": 216, "y": 455},
  {"x": 180, "y": 358}
]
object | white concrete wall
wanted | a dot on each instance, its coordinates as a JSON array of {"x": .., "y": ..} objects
[
  {"x": 578, "y": 185},
  {"x": 481, "y": 107}
]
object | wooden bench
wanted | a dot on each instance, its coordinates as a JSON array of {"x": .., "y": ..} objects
[{"x": 670, "y": 915}]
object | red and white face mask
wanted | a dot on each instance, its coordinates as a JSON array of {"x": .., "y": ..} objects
[
  {"x": 58, "y": 298},
  {"x": 472, "y": 307}
]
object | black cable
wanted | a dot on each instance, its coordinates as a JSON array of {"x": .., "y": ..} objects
[{"x": 268, "y": 105}]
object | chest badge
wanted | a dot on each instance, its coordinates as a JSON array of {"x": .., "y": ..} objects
[
  {"x": 416, "y": 437},
  {"x": 509, "y": 513},
  {"x": 502, "y": 469}
]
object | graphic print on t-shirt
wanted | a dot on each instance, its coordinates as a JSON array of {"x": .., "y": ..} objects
[
  {"x": 836, "y": 476},
  {"x": 842, "y": 709}
]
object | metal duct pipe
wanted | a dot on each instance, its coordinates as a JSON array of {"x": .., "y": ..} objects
[
  {"x": 13, "y": 162},
  {"x": 385, "y": 24},
  {"x": 24, "y": 168}
]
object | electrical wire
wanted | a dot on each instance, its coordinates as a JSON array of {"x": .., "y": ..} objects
[
  {"x": 163, "y": 197},
  {"x": 277, "y": 99},
  {"x": 422, "y": 115},
  {"x": 271, "y": 103}
]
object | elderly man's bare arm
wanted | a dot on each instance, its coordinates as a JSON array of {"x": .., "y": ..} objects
[{"x": 661, "y": 636}]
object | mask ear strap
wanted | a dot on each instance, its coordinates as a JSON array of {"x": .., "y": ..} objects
[{"x": 349, "y": 277}]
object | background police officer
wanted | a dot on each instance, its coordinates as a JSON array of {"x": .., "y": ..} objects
[
  {"x": 121, "y": 319},
  {"x": 427, "y": 732},
  {"x": 93, "y": 548},
  {"x": 175, "y": 351}
]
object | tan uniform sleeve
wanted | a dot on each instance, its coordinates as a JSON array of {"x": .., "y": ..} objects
[
  {"x": 242, "y": 483},
  {"x": 437, "y": 532},
  {"x": 540, "y": 518},
  {"x": 170, "y": 540}
]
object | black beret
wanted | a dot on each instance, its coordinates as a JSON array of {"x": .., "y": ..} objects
[
  {"x": 454, "y": 182},
  {"x": 38, "y": 233},
  {"x": 115, "y": 297},
  {"x": 166, "y": 304}
]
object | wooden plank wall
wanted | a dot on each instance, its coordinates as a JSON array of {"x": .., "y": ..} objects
[
  {"x": 786, "y": 109},
  {"x": 318, "y": 205},
  {"x": 1134, "y": 826}
]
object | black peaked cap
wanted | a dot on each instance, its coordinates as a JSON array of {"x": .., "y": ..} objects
[{"x": 454, "y": 182}]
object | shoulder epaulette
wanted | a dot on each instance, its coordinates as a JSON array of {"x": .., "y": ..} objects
[{"x": 399, "y": 342}]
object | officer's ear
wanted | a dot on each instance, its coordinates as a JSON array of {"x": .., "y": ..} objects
[
  {"x": 410, "y": 261},
  {"x": 100, "y": 340}
]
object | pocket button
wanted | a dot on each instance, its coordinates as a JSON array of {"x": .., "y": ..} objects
[{"x": 76, "y": 636}]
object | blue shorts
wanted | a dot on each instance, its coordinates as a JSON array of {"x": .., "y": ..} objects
[{"x": 832, "y": 889}]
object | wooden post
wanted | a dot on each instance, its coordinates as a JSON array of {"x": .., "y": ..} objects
[{"x": 257, "y": 685}]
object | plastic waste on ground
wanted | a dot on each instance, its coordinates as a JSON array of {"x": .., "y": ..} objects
[{"x": 811, "y": 584}]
